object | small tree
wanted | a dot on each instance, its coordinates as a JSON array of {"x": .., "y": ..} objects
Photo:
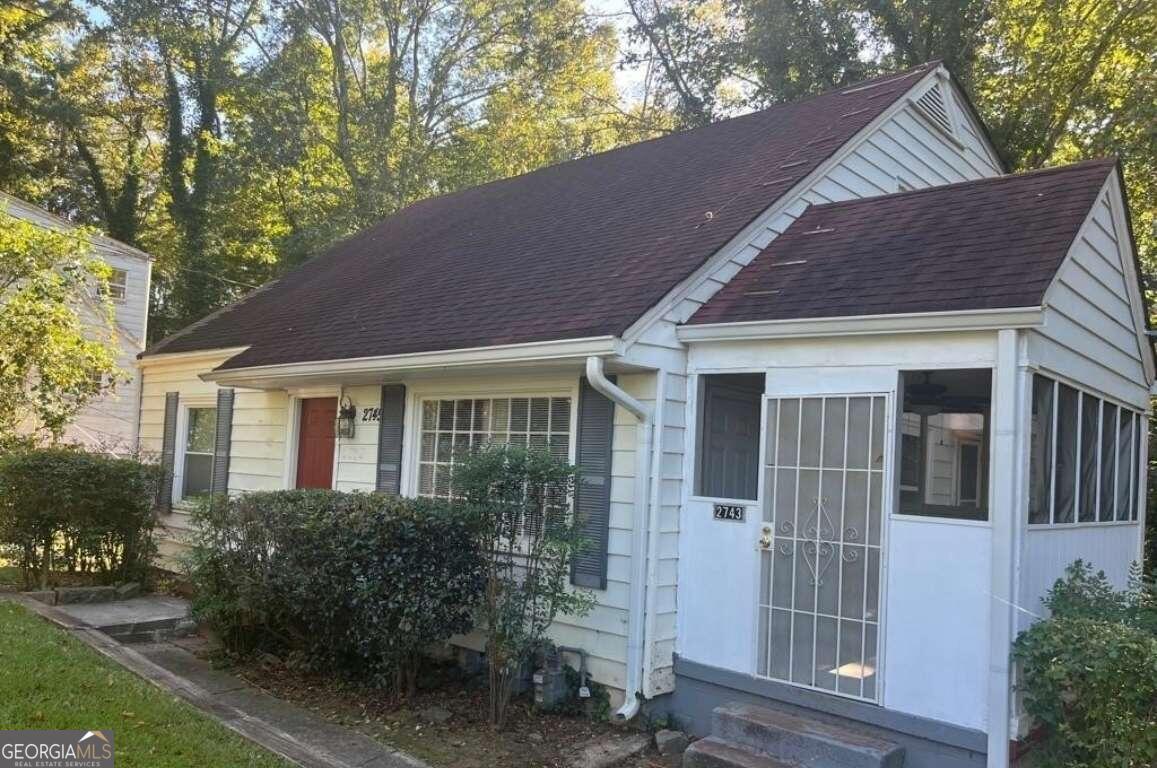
[
  {"x": 520, "y": 501},
  {"x": 52, "y": 360}
]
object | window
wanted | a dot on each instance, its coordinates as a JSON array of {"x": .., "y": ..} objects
[
  {"x": 200, "y": 438},
  {"x": 729, "y": 436},
  {"x": 451, "y": 428},
  {"x": 944, "y": 443},
  {"x": 117, "y": 285},
  {"x": 1085, "y": 457}
]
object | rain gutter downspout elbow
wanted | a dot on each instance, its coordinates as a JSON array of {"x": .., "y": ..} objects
[{"x": 640, "y": 521}]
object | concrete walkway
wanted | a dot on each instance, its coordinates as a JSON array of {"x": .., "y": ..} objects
[{"x": 288, "y": 730}]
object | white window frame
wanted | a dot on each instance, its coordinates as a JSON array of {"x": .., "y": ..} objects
[
  {"x": 1136, "y": 495},
  {"x": 115, "y": 290},
  {"x": 186, "y": 405},
  {"x": 412, "y": 434}
]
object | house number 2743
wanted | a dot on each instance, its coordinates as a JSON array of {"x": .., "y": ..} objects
[{"x": 734, "y": 512}]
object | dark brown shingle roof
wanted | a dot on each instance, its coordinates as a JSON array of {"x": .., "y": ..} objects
[
  {"x": 988, "y": 244},
  {"x": 579, "y": 249}
]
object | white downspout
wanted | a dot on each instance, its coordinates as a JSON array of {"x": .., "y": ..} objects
[{"x": 640, "y": 520}]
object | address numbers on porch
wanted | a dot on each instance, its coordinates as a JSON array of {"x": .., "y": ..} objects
[{"x": 734, "y": 512}]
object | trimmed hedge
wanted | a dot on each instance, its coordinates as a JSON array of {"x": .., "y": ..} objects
[
  {"x": 356, "y": 582},
  {"x": 62, "y": 509}
]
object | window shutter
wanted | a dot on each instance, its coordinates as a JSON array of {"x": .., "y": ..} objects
[
  {"x": 392, "y": 420},
  {"x": 168, "y": 452},
  {"x": 222, "y": 441},
  {"x": 592, "y": 503}
]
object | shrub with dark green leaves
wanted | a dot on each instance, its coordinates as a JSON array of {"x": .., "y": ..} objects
[
  {"x": 62, "y": 509},
  {"x": 354, "y": 582},
  {"x": 1089, "y": 673}
]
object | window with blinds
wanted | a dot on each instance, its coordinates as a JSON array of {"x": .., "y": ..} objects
[{"x": 452, "y": 428}]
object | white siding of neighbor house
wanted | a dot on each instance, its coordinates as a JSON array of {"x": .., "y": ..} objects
[
  {"x": 1090, "y": 338},
  {"x": 257, "y": 449},
  {"x": 108, "y": 422}
]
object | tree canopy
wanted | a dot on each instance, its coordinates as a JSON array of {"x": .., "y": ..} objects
[{"x": 234, "y": 139}]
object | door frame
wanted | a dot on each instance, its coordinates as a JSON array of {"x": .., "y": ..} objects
[
  {"x": 888, "y": 496},
  {"x": 293, "y": 432}
]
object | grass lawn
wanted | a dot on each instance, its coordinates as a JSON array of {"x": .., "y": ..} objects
[{"x": 50, "y": 680}]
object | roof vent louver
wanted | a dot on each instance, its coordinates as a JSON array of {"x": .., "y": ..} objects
[{"x": 936, "y": 108}]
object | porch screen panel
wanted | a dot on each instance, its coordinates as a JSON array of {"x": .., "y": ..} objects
[{"x": 819, "y": 596}]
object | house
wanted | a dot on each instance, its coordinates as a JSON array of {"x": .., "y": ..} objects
[
  {"x": 845, "y": 397},
  {"x": 108, "y": 422}
]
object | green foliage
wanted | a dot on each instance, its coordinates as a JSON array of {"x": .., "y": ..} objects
[
  {"x": 50, "y": 679},
  {"x": 519, "y": 503},
  {"x": 354, "y": 582},
  {"x": 49, "y": 359},
  {"x": 64, "y": 509},
  {"x": 1089, "y": 672}
]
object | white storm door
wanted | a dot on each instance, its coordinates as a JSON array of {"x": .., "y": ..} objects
[{"x": 821, "y": 542}]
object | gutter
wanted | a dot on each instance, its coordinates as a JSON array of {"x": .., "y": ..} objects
[{"x": 636, "y": 620}]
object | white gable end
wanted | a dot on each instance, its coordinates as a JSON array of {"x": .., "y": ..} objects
[{"x": 1094, "y": 327}]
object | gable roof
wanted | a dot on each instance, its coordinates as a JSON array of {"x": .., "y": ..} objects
[
  {"x": 575, "y": 250},
  {"x": 34, "y": 214},
  {"x": 993, "y": 243}
]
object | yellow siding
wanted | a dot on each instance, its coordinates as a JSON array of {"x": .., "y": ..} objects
[{"x": 257, "y": 450}]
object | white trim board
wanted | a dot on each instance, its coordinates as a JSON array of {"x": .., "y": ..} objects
[
  {"x": 915, "y": 322},
  {"x": 562, "y": 349}
]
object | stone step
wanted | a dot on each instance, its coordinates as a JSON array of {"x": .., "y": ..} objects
[
  {"x": 713, "y": 752},
  {"x": 798, "y": 739}
]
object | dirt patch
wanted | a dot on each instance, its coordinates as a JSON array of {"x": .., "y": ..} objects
[{"x": 445, "y": 723}]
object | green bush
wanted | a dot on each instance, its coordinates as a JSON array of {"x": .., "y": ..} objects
[
  {"x": 1089, "y": 673},
  {"x": 520, "y": 503},
  {"x": 355, "y": 582},
  {"x": 62, "y": 509}
]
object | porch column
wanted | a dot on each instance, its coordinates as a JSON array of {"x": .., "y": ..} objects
[{"x": 1004, "y": 513}]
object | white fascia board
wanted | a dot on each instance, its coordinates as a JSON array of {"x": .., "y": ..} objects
[
  {"x": 564, "y": 349},
  {"x": 740, "y": 241},
  {"x": 166, "y": 358},
  {"x": 916, "y": 322}
]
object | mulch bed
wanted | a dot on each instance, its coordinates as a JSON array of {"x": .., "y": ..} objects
[{"x": 445, "y": 724}]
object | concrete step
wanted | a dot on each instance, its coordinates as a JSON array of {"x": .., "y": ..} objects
[
  {"x": 146, "y": 619},
  {"x": 798, "y": 739},
  {"x": 713, "y": 752}
]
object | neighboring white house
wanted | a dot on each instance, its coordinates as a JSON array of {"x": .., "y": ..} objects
[
  {"x": 109, "y": 422},
  {"x": 844, "y": 397}
]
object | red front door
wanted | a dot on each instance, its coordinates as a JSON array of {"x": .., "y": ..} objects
[{"x": 315, "y": 442}]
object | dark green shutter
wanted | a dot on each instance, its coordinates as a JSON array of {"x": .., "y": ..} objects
[
  {"x": 592, "y": 503},
  {"x": 391, "y": 422},
  {"x": 168, "y": 452},
  {"x": 221, "y": 443}
]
